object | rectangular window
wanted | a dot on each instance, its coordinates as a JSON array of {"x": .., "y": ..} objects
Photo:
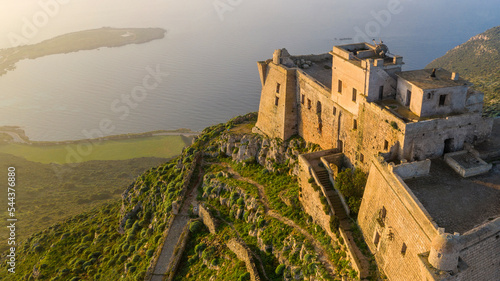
[
  {"x": 278, "y": 86},
  {"x": 381, "y": 92},
  {"x": 276, "y": 100},
  {"x": 376, "y": 239},
  {"x": 355, "y": 124},
  {"x": 442, "y": 100},
  {"x": 354, "y": 94},
  {"x": 309, "y": 104},
  {"x": 334, "y": 111},
  {"x": 303, "y": 99},
  {"x": 361, "y": 158},
  {"x": 386, "y": 145},
  {"x": 340, "y": 86},
  {"x": 408, "y": 97},
  {"x": 403, "y": 249}
]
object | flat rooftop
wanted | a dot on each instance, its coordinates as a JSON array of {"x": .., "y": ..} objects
[
  {"x": 422, "y": 79},
  {"x": 455, "y": 203},
  {"x": 321, "y": 71}
]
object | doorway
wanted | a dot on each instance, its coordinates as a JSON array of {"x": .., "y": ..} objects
[{"x": 448, "y": 145}]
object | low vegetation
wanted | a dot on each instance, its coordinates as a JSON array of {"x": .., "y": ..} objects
[
  {"x": 120, "y": 239},
  {"x": 155, "y": 146},
  {"x": 111, "y": 242},
  {"x": 43, "y": 199}
]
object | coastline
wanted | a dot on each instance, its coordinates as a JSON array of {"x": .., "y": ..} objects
[
  {"x": 78, "y": 41},
  {"x": 19, "y": 136}
]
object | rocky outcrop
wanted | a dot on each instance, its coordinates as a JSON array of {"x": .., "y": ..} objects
[{"x": 274, "y": 154}]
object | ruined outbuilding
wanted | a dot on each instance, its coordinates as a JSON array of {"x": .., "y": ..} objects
[{"x": 409, "y": 130}]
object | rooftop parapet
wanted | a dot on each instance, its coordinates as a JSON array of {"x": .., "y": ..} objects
[{"x": 365, "y": 54}]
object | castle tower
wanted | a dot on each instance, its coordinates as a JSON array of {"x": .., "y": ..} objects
[{"x": 277, "y": 110}]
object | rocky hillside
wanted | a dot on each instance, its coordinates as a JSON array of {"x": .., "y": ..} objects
[
  {"x": 478, "y": 60},
  {"x": 247, "y": 222}
]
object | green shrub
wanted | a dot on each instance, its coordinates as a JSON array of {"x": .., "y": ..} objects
[
  {"x": 351, "y": 185},
  {"x": 195, "y": 226},
  {"x": 240, "y": 202},
  {"x": 279, "y": 269},
  {"x": 123, "y": 258},
  {"x": 244, "y": 277},
  {"x": 150, "y": 253},
  {"x": 200, "y": 247}
]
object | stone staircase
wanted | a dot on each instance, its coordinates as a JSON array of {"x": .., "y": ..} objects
[{"x": 330, "y": 193}]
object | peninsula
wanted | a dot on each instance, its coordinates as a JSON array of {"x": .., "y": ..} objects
[{"x": 78, "y": 41}]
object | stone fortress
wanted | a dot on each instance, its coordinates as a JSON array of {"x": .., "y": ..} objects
[{"x": 431, "y": 206}]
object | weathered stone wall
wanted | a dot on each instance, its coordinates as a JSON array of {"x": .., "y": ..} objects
[
  {"x": 412, "y": 169},
  {"x": 481, "y": 252},
  {"x": 207, "y": 219},
  {"x": 389, "y": 216},
  {"x": 277, "y": 116},
  {"x": 426, "y": 139},
  {"x": 310, "y": 200},
  {"x": 244, "y": 254},
  {"x": 313, "y": 125}
]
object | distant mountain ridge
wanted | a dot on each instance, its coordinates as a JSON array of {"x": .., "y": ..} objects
[{"x": 478, "y": 60}]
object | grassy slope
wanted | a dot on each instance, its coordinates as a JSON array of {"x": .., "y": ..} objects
[
  {"x": 479, "y": 61},
  {"x": 157, "y": 146},
  {"x": 89, "y": 246},
  {"x": 43, "y": 199}
]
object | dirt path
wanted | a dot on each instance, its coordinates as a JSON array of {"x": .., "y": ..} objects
[
  {"x": 322, "y": 255},
  {"x": 174, "y": 233}
]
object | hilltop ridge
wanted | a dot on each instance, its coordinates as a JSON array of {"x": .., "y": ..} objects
[{"x": 478, "y": 60}]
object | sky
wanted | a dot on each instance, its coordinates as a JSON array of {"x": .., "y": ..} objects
[{"x": 61, "y": 16}]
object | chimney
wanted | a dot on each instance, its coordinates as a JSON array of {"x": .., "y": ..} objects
[
  {"x": 277, "y": 56},
  {"x": 454, "y": 76}
]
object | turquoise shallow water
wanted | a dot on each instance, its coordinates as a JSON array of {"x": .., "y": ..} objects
[{"x": 210, "y": 58}]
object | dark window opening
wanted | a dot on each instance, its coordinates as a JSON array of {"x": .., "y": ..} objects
[
  {"x": 278, "y": 86},
  {"x": 403, "y": 249},
  {"x": 361, "y": 158},
  {"x": 276, "y": 100},
  {"x": 355, "y": 124},
  {"x": 376, "y": 239},
  {"x": 309, "y": 104},
  {"x": 442, "y": 100},
  {"x": 320, "y": 127},
  {"x": 382, "y": 213},
  {"x": 318, "y": 107},
  {"x": 303, "y": 99},
  {"x": 408, "y": 97},
  {"x": 334, "y": 111},
  {"x": 354, "y": 94},
  {"x": 429, "y": 96},
  {"x": 340, "y": 87},
  {"x": 386, "y": 145},
  {"x": 448, "y": 145},
  {"x": 381, "y": 92}
]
